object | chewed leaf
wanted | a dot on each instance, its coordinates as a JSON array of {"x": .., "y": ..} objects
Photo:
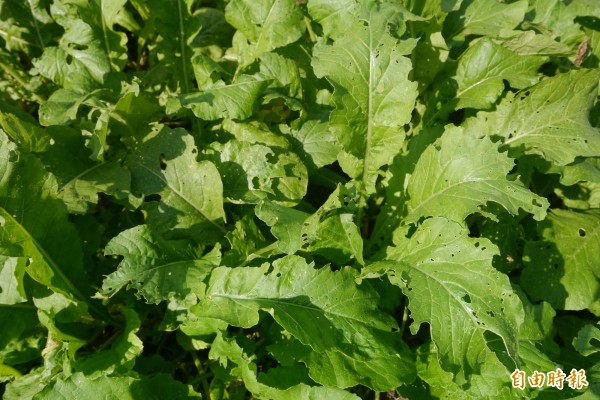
[
  {"x": 157, "y": 268},
  {"x": 451, "y": 285},
  {"x": 551, "y": 118},
  {"x": 565, "y": 260}
]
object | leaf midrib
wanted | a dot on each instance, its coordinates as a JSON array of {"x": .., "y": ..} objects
[
  {"x": 178, "y": 193},
  {"x": 42, "y": 251}
]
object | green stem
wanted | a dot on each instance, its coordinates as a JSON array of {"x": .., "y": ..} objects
[
  {"x": 105, "y": 34},
  {"x": 258, "y": 253},
  {"x": 309, "y": 29},
  {"x": 404, "y": 315},
  {"x": 35, "y": 23},
  {"x": 201, "y": 374},
  {"x": 21, "y": 82}
]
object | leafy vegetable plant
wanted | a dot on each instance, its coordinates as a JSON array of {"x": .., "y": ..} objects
[{"x": 288, "y": 199}]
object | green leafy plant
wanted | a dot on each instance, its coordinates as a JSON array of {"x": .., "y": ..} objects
[{"x": 286, "y": 199}]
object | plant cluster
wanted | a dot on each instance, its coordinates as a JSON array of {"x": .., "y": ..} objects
[{"x": 291, "y": 199}]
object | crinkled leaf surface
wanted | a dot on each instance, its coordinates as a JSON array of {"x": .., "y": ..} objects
[
  {"x": 253, "y": 171},
  {"x": 373, "y": 96},
  {"x": 565, "y": 260},
  {"x": 157, "y": 268},
  {"x": 347, "y": 340},
  {"x": 451, "y": 285},
  {"x": 460, "y": 173}
]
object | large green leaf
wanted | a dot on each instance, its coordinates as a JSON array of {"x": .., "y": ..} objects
[
  {"x": 34, "y": 224},
  {"x": 565, "y": 260},
  {"x": 483, "y": 68},
  {"x": 485, "y": 17},
  {"x": 373, "y": 96},
  {"x": 347, "y": 339},
  {"x": 334, "y": 16},
  {"x": 460, "y": 173},
  {"x": 263, "y": 25},
  {"x": 550, "y": 119},
  {"x": 191, "y": 192},
  {"x": 177, "y": 23},
  {"x": 159, "y": 269},
  {"x": 451, "y": 285}
]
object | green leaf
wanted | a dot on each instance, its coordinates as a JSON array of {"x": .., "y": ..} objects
[
  {"x": 12, "y": 271},
  {"x": 34, "y": 224},
  {"x": 551, "y": 118},
  {"x": 558, "y": 18},
  {"x": 22, "y": 338},
  {"x": 317, "y": 145},
  {"x": 253, "y": 171},
  {"x": 483, "y": 68},
  {"x": 485, "y": 17},
  {"x": 80, "y": 61},
  {"x": 347, "y": 341},
  {"x": 451, "y": 285},
  {"x": 336, "y": 17},
  {"x": 159, "y": 269},
  {"x": 121, "y": 357},
  {"x": 263, "y": 25},
  {"x": 370, "y": 110},
  {"x": 286, "y": 225},
  {"x": 226, "y": 350},
  {"x": 562, "y": 267},
  {"x": 529, "y": 43},
  {"x": 82, "y": 190},
  {"x": 236, "y": 100},
  {"x": 330, "y": 232},
  {"x": 460, "y": 173},
  {"x": 177, "y": 27},
  {"x": 587, "y": 340},
  {"x": 79, "y": 179},
  {"x": 191, "y": 192},
  {"x": 113, "y": 388}
]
